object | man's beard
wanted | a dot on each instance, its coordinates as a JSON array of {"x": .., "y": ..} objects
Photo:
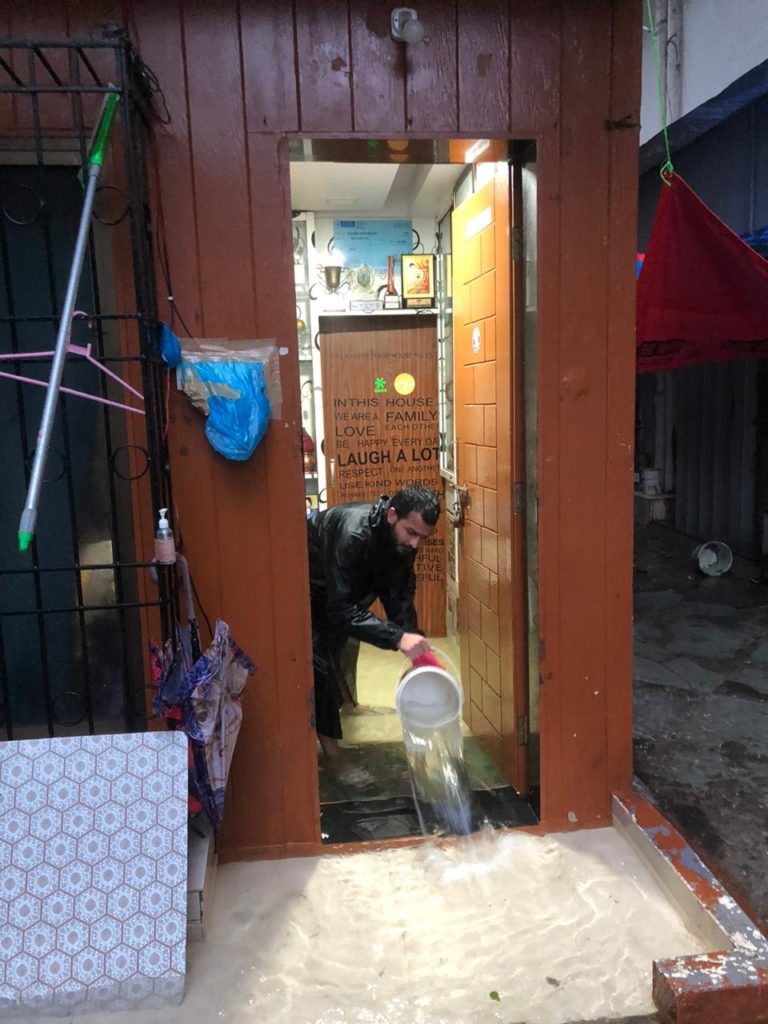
[{"x": 400, "y": 549}]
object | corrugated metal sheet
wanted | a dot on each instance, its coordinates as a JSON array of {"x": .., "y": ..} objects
[{"x": 716, "y": 410}]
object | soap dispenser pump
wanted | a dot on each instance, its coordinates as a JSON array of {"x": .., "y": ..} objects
[{"x": 165, "y": 546}]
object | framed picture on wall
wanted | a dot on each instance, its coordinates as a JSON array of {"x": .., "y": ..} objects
[{"x": 418, "y": 277}]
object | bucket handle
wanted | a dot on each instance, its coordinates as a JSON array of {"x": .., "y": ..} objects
[{"x": 448, "y": 663}]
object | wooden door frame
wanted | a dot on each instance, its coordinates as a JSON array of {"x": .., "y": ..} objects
[
  {"x": 603, "y": 764},
  {"x": 516, "y": 746}
]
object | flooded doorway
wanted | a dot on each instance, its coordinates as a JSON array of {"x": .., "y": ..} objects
[{"x": 460, "y": 422}]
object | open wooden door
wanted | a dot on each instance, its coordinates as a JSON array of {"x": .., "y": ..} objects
[{"x": 490, "y": 463}]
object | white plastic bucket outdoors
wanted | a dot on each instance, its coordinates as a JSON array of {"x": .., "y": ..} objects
[
  {"x": 428, "y": 698},
  {"x": 651, "y": 479},
  {"x": 714, "y": 558}
]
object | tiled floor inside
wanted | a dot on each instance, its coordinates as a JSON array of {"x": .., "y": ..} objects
[{"x": 378, "y": 673}]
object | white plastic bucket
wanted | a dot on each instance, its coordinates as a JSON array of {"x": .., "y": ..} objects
[
  {"x": 428, "y": 698},
  {"x": 651, "y": 479},
  {"x": 714, "y": 558}
]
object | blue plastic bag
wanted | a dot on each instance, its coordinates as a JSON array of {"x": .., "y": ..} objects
[
  {"x": 238, "y": 406},
  {"x": 170, "y": 347}
]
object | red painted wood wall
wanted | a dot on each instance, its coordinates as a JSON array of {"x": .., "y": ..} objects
[{"x": 238, "y": 78}]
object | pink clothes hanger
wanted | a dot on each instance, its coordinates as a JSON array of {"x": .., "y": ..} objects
[{"x": 77, "y": 350}]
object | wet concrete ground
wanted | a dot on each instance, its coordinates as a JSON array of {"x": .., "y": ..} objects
[
  {"x": 653, "y": 1019},
  {"x": 701, "y": 706}
]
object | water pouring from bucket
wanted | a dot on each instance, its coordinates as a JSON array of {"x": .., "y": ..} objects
[{"x": 429, "y": 702}]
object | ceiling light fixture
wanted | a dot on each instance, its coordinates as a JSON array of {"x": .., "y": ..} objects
[
  {"x": 405, "y": 25},
  {"x": 476, "y": 150}
]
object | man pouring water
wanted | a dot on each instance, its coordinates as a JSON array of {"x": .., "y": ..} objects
[{"x": 358, "y": 553}]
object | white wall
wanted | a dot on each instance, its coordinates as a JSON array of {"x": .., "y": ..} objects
[{"x": 722, "y": 40}]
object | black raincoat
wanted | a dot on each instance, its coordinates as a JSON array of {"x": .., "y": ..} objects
[{"x": 353, "y": 561}]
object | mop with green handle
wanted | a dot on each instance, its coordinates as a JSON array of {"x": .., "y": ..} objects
[{"x": 94, "y": 162}]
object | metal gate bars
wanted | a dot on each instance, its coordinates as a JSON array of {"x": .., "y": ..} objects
[{"x": 77, "y": 608}]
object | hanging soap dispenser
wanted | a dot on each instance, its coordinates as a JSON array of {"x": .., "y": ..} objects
[{"x": 165, "y": 546}]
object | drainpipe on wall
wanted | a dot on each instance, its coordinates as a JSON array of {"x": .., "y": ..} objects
[
  {"x": 668, "y": 21},
  {"x": 660, "y": 426},
  {"x": 660, "y": 19},
  {"x": 668, "y": 476},
  {"x": 668, "y": 17},
  {"x": 673, "y": 49}
]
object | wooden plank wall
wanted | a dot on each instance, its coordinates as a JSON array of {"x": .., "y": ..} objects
[{"x": 239, "y": 77}]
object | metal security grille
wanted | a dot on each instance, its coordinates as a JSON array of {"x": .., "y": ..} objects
[{"x": 77, "y": 609}]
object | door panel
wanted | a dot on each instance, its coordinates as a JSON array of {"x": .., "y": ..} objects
[
  {"x": 489, "y": 418},
  {"x": 378, "y": 439}
]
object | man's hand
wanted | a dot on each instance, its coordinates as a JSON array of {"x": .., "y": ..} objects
[{"x": 413, "y": 645}]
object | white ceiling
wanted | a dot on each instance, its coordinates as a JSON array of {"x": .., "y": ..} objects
[{"x": 384, "y": 190}]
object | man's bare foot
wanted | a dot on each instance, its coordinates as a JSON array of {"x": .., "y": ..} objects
[{"x": 329, "y": 745}]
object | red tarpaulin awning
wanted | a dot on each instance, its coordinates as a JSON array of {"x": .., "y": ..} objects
[{"x": 702, "y": 295}]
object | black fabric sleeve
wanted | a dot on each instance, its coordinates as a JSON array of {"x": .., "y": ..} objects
[
  {"x": 345, "y": 616},
  {"x": 398, "y": 599}
]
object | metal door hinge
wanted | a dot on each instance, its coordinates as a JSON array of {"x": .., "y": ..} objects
[
  {"x": 522, "y": 730},
  {"x": 518, "y": 498},
  {"x": 516, "y": 243}
]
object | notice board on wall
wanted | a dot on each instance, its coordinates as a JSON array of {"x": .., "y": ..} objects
[
  {"x": 371, "y": 242},
  {"x": 380, "y": 411}
]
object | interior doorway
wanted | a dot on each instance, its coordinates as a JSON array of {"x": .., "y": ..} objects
[{"x": 413, "y": 325}]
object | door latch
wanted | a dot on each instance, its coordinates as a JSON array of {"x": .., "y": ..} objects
[{"x": 461, "y": 503}]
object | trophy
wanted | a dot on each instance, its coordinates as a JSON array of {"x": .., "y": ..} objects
[{"x": 391, "y": 299}]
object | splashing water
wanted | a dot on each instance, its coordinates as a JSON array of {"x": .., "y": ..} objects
[
  {"x": 439, "y": 778},
  {"x": 430, "y": 715}
]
